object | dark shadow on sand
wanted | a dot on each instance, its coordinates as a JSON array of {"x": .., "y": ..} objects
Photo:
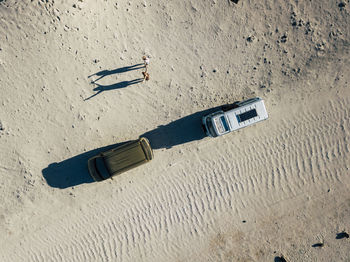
[
  {"x": 318, "y": 245},
  {"x": 104, "y": 73},
  {"x": 102, "y": 88},
  {"x": 72, "y": 171},
  {"x": 280, "y": 259},
  {"x": 342, "y": 235},
  {"x": 181, "y": 131}
]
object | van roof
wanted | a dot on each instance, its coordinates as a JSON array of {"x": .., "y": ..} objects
[{"x": 247, "y": 114}]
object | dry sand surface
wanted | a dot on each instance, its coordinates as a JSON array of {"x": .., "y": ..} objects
[{"x": 279, "y": 188}]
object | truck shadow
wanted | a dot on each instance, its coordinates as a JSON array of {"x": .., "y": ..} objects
[{"x": 73, "y": 171}]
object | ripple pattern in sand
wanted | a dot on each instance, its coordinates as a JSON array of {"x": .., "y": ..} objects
[{"x": 173, "y": 207}]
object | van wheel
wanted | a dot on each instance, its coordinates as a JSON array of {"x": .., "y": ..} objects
[{"x": 228, "y": 107}]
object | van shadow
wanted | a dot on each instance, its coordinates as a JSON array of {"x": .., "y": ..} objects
[
  {"x": 181, "y": 131},
  {"x": 74, "y": 171}
]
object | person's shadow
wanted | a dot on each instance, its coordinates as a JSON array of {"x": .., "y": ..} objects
[
  {"x": 104, "y": 73},
  {"x": 101, "y": 88}
]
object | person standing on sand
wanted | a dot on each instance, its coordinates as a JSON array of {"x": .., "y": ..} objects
[
  {"x": 145, "y": 76},
  {"x": 146, "y": 61}
]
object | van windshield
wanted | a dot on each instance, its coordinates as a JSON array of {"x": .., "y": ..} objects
[
  {"x": 210, "y": 127},
  {"x": 224, "y": 123},
  {"x": 221, "y": 124}
]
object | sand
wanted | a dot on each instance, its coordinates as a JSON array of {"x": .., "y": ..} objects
[{"x": 278, "y": 188}]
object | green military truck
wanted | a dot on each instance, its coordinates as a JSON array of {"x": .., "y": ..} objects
[{"x": 120, "y": 159}]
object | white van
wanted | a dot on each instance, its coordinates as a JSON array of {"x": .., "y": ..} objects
[{"x": 235, "y": 116}]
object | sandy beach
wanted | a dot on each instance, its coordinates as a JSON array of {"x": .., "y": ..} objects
[{"x": 71, "y": 87}]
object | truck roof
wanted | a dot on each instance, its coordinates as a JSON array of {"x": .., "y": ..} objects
[{"x": 128, "y": 156}]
